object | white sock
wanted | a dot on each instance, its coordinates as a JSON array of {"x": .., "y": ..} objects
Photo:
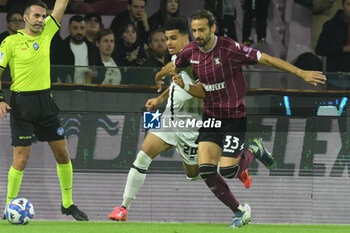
[{"x": 135, "y": 178}]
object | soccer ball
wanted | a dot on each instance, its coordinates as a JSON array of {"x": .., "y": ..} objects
[{"x": 19, "y": 211}]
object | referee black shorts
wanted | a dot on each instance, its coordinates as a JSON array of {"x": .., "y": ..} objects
[
  {"x": 34, "y": 113},
  {"x": 230, "y": 136}
]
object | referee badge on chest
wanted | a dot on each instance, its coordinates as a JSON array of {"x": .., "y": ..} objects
[{"x": 36, "y": 46}]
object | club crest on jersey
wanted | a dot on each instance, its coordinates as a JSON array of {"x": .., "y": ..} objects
[
  {"x": 217, "y": 61},
  {"x": 35, "y": 46}
]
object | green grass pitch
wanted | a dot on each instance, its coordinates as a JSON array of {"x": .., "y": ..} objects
[{"x": 131, "y": 227}]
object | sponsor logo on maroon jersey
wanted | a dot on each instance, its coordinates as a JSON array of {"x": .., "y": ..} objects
[
  {"x": 214, "y": 87},
  {"x": 194, "y": 62}
]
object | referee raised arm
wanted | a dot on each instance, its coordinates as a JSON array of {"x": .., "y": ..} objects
[{"x": 33, "y": 110}]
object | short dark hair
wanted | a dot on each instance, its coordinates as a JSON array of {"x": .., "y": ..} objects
[
  {"x": 130, "y": 2},
  {"x": 177, "y": 23},
  {"x": 158, "y": 30},
  {"x": 204, "y": 14},
  {"x": 92, "y": 14},
  {"x": 76, "y": 18},
  {"x": 103, "y": 32},
  {"x": 34, "y": 3},
  {"x": 12, "y": 12}
]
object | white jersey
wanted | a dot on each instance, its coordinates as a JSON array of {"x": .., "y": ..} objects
[
  {"x": 180, "y": 103},
  {"x": 181, "y": 107}
]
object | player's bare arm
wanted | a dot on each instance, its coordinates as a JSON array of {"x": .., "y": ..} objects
[
  {"x": 194, "y": 90},
  {"x": 59, "y": 9},
  {"x": 311, "y": 77},
  {"x": 152, "y": 104},
  {"x": 4, "y": 107},
  {"x": 160, "y": 75}
]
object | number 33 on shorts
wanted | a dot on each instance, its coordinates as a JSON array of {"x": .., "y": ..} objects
[{"x": 232, "y": 143}]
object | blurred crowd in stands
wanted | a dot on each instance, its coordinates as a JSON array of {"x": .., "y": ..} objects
[{"x": 313, "y": 34}]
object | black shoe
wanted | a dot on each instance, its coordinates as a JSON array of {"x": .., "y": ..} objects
[
  {"x": 75, "y": 212},
  {"x": 4, "y": 217}
]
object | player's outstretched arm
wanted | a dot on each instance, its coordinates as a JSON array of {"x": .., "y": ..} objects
[
  {"x": 194, "y": 90},
  {"x": 197, "y": 90},
  {"x": 4, "y": 107},
  {"x": 153, "y": 103},
  {"x": 312, "y": 77},
  {"x": 59, "y": 9},
  {"x": 162, "y": 73}
]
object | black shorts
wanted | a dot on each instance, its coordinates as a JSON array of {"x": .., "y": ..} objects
[
  {"x": 230, "y": 136},
  {"x": 34, "y": 113}
]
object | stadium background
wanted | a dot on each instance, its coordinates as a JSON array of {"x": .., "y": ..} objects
[
  {"x": 312, "y": 153},
  {"x": 104, "y": 125}
]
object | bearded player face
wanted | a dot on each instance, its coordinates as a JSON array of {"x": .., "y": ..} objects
[{"x": 202, "y": 33}]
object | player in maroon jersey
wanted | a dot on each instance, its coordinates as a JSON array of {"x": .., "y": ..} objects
[{"x": 217, "y": 62}]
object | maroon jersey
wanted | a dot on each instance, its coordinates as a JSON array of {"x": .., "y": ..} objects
[{"x": 219, "y": 70}]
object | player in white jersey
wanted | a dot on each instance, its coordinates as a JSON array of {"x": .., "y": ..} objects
[
  {"x": 181, "y": 106},
  {"x": 158, "y": 141}
]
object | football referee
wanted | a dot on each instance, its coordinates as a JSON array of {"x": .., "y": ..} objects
[{"x": 33, "y": 110}]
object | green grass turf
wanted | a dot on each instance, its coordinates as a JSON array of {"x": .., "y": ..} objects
[{"x": 131, "y": 227}]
